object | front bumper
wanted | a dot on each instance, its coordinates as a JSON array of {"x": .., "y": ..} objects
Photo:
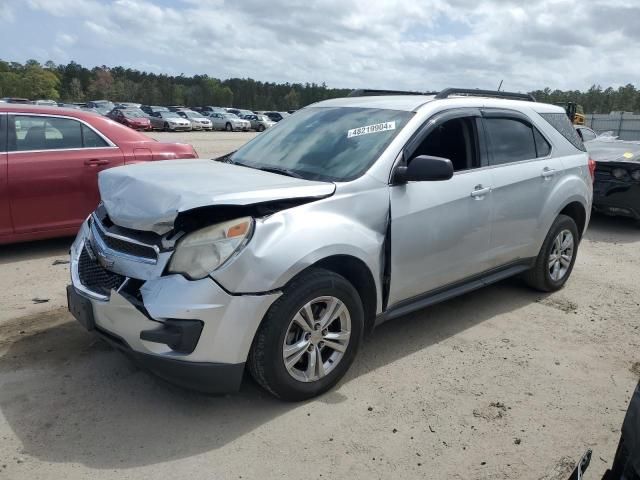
[
  {"x": 185, "y": 128},
  {"x": 617, "y": 197},
  {"x": 142, "y": 320}
]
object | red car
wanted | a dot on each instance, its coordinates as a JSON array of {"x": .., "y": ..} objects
[
  {"x": 132, "y": 118},
  {"x": 49, "y": 163}
]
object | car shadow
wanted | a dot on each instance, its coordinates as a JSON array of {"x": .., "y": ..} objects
[
  {"x": 604, "y": 228},
  {"x": 70, "y": 398},
  {"x": 17, "y": 252}
]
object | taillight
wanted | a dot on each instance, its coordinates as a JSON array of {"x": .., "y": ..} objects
[{"x": 592, "y": 168}]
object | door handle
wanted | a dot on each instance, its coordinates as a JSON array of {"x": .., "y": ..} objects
[
  {"x": 548, "y": 172},
  {"x": 94, "y": 162},
  {"x": 480, "y": 191}
]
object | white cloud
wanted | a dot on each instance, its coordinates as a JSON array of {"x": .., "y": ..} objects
[
  {"x": 379, "y": 44},
  {"x": 65, "y": 39},
  {"x": 6, "y": 13}
]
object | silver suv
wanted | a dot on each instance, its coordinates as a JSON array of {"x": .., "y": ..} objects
[{"x": 280, "y": 257}]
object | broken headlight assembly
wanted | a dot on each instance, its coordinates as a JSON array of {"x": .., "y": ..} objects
[{"x": 203, "y": 251}]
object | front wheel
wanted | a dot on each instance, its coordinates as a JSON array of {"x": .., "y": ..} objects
[
  {"x": 228, "y": 127},
  {"x": 261, "y": 128},
  {"x": 309, "y": 337},
  {"x": 557, "y": 256}
]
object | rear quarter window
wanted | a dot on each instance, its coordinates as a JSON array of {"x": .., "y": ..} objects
[{"x": 561, "y": 123}]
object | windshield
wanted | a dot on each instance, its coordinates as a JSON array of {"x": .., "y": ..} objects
[
  {"x": 193, "y": 115},
  {"x": 134, "y": 114},
  {"x": 230, "y": 115},
  {"x": 325, "y": 143},
  {"x": 169, "y": 115},
  {"x": 264, "y": 118}
]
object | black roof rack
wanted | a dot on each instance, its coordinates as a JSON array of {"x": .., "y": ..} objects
[
  {"x": 484, "y": 93},
  {"x": 365, "y": 92}
]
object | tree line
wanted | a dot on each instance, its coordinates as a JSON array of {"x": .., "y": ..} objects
[{"x": 74, "y": 83}]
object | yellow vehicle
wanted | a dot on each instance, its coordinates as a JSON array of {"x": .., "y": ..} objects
[{"x": 575, "y": 112}]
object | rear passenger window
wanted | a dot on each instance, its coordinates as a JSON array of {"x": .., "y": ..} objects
[
  {"x": 3, "y": 133},
  {"x": 509, "y": 140},
  {"x": 43, "y": 133},
  {"x": 91, "y": 139},
  {"x": 542, "y": 146}
]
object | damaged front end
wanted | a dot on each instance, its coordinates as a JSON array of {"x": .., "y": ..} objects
[
  {"x": 616, "y": 187},
  {"x": 191, "y": 332}
]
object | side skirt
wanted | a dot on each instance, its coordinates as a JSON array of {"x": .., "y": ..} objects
[{"x": 455, "y": 289}]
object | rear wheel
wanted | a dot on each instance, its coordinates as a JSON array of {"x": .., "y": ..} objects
[
  {"x": 309, "y": 336},
  {"x": 557, "y": 256},
  {"x": 228, "y": 127}
]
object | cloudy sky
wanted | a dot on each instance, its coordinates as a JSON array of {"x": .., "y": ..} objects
[{"x": 416, "y": 44}]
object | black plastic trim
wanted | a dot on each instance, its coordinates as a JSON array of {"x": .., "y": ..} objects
[
  {"x": 205, "y": 377},
  {"x": 180, "y": 335},
  {"x": 455, "y": 289}
]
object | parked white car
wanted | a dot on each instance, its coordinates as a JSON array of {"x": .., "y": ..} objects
[
  {"x": 198, "y": 121},
  {"x": 229, "y": 122}
]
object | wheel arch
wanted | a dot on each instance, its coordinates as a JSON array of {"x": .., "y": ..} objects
[
  {"x": 360, "y": 276},
  {"x": 578, "y": 213}
]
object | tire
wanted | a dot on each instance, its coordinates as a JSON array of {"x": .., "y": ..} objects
[
  {"x": 278, "y": 330},
  {"x": 261, "y": 128},
  {"x": 166, "y": 127},
  {"x": 228, "y": 127},
  {"x": 543, "y": 276}
]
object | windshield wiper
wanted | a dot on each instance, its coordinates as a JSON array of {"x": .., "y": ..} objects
[
  {"x": 278, "y": 170},
  {"x": 225, "y": 158}
]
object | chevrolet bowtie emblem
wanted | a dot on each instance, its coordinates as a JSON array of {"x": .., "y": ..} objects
[{"x": 103, "y": 260}]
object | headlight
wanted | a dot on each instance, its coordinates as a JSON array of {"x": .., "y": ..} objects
[
  {"x": 636, "y": 175},
  {"x": 618, "y": 172},
  {"x": 203, "y": 251}
]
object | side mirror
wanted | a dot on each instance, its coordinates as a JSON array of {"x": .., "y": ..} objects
[{"x": 424, "y": 168}]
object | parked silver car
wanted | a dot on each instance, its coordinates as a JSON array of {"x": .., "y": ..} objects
[
  {"x": 198, "y": 121},
  {"x": 354, "y": 211},
  {"x": 259, "y": 123},
  {"x": 228, "y": 122},
  {"x": 169, "y": 121}
]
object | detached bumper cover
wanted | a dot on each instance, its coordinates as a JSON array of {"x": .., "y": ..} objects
[{"x": 615, "y": 197}]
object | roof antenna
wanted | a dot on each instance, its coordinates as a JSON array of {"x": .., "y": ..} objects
[{"x": 500, "y": 86}]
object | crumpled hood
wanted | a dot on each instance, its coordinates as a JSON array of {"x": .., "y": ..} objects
[
  {"x": 149, "y": 196},
  {"x": 609, "y": 149}
]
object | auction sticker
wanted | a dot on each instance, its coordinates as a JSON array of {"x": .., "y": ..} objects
[{"x": 378, "y": 127}]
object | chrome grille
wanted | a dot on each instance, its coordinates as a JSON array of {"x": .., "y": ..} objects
[
  {"x": 122, "y": 246},
  {"x": 96, "y": 278}
]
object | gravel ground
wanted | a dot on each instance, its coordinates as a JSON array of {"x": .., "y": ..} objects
[{"x": 503, "y": 383}]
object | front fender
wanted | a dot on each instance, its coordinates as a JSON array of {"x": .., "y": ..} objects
[{"x": 287, "y": 242}]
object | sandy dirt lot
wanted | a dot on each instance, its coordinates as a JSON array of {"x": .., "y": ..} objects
[{"x": 503, "y": 383}]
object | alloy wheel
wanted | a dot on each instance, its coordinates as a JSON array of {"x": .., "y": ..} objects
[
  {"x": 561, "y": 255},
  {"x": 316, "y": 339}
]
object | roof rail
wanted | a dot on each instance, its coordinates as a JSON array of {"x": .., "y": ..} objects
[
  {"x": 374, "y": 93},
  {"x": 484, "y": 93}
]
